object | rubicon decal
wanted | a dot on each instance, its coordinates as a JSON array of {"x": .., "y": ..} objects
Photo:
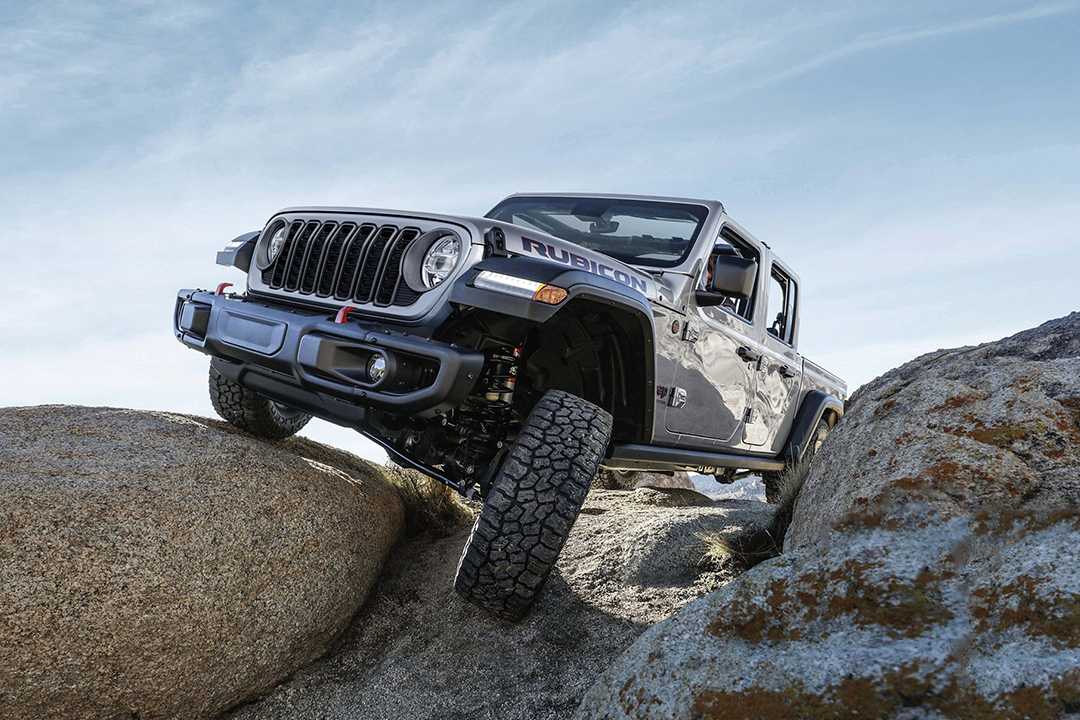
[{"x": 565, "y": 257}]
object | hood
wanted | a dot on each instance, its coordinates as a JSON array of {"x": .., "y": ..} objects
[
  {"x": 529, "y": 243},
  {"x": 542, "y": 246}
]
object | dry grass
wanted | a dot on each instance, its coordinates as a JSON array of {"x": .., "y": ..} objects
[
  {"x": 748, "y": 548},
  {"x": 430, "y": 506}
]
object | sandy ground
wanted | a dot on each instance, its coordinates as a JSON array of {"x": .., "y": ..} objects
[{"x": 417, "y": 651}]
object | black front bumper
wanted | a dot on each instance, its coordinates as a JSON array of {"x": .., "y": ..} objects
[{"x": 320, "y": 366}]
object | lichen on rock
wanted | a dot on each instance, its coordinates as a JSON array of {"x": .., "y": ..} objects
[
  {"x": 932, "y": 616},
  {"x": 932, "y": 569},
  {"x": 996, "y": 425}
]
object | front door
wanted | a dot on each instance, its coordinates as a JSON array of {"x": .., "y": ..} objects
[{"x": 714, "y": 382}]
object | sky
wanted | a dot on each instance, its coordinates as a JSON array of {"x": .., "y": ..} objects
[{"x": 917, "y": 163}]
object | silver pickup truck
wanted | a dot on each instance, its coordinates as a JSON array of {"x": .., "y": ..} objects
[{"x": 560, "y": 340}]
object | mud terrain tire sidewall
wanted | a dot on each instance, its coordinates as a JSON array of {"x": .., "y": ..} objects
[
  {"x": 533, "y": 503},
  {"x": 252, "y": 412}
]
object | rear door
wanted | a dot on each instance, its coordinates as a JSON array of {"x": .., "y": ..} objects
[
  {"x": 714, "y": 384},
  {"x": 779, "y": 371}
]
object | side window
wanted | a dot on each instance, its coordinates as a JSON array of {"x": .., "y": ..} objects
[
  {"x": 730, "y": 244},
  {"x": 781, "y": 314}
]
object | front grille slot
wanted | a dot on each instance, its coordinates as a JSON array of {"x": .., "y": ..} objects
[
  {"x": 346, "y": 278},
  {"x": 297, "y": 253},
  {"x": 391, "y": 276},
  {"x": 274, "y": 275},
  {"x": 373, "y": 264},
  {"x": 345, "y": 261},
  {"x": 328, "y": 270},
  {"x": 310, "y": 266}
]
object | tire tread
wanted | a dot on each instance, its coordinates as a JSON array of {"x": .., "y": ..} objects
[
  {"x": 252, "y": 412},
  {"x": 533, "y": 503}
]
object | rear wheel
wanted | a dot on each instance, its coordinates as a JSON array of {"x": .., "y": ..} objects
[
  {"x": 532, "y": 505},
  {"x": 616, "y": 479},
  {"x": 788, "y": 482},
  {"x": 252, "y": 412}
]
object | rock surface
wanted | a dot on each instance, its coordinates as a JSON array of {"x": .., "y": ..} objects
[
  {"x": 751, "y": 488},
  {"x": 417, "y": 651},
  {"x": 933, "y": 572},
  {"x": 994, "y": 425},
  {"x": 678, "y": 479},
  {"x": 957, "y": 618},
  {"x": 166, "y": 566}
]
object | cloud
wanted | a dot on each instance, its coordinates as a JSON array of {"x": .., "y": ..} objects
[
  {"x": 139, "y": 137},
  {"x": 877, "y": 40}
]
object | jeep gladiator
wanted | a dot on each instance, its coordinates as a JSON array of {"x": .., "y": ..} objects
[{"x": 558, "y": 341}]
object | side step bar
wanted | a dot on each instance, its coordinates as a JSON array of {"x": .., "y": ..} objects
[{"x": 664, "y": 459}]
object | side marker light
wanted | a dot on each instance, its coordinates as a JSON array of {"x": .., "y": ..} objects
[{"x": 550, "y": 294}]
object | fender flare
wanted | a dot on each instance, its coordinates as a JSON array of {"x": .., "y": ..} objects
[
  {"x": 813, "y": 408},
  {"x": 579, "y": 285},
  {"x": 239, "y": 251}
]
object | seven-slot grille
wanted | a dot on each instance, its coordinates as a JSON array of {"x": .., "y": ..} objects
[{"x": 357, "y": 262}]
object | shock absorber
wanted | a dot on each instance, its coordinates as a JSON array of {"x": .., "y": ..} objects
[
  {"x": 501, "y": 378},
  {"x": 484, "y": 418}
]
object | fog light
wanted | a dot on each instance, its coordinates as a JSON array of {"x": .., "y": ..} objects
[{"x": 376, "y": 368}]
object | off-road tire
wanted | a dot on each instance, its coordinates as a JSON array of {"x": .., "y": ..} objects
[
  {"x": 789, "y": 480},
  {"x": 616, "y": 479},
  {"x": 533, "y": 502},
  {"x": 252, "y": 412}
]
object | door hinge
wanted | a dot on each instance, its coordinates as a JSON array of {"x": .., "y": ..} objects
[
  {"x": 677, "y": 398},
  {"x": 750, "y": 416}
]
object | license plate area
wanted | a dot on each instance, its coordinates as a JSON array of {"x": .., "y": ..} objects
[{"x": 249, "y": 332}]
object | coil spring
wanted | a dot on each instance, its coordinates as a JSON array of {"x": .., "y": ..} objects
[
  {"x": 502, "y": 373},
  {"x": 485, "y": 418}
]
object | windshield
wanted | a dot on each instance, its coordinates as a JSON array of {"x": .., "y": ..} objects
[{"x": 637, "y": 232}]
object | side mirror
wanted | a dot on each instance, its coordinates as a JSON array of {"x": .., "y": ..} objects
[{"x": 733, "y": 276}]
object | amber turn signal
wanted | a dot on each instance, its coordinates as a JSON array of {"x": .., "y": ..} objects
[{"x": 549, "y": 294}]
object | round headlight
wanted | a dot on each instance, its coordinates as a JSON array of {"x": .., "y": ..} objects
[
  {"x": 277, "y": 241},
  {"x": 440, "y": 260},
  {"x": 271, "y": 244}
]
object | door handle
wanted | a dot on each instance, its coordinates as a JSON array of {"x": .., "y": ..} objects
[
  {"x": 785, "y": 371},
  {"x": 747, "y": 354}
]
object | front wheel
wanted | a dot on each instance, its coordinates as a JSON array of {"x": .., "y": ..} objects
[
  {"x": 786, "y": 484},
  {"x": 533, "y": 502},
  {"x": 252, "y": 412}
]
